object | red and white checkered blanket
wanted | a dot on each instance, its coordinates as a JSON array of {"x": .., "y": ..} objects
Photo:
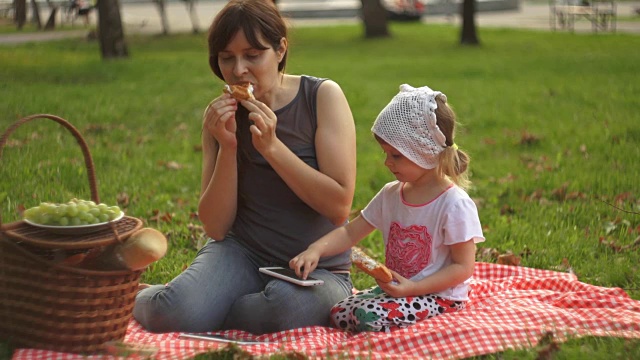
[{"x": 511, "y": 307}]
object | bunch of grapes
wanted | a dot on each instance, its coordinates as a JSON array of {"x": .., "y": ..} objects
[{"x": 73, "y": 213}]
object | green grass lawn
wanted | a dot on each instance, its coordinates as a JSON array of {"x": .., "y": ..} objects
[{"x": 549, "y": 119}]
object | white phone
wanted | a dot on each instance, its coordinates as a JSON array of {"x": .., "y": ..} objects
[
  {"x": 219, "y": 338},
  {"x": 290, "y": 275}
]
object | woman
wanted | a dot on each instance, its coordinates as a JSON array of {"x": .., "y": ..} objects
[{"x": 278, "y": 173}]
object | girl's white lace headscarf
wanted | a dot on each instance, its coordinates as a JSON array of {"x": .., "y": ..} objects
[{"x": 408, "y": 123}]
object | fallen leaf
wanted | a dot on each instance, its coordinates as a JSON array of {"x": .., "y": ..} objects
[
  {"x": 123, "y": 200},
  {"x": 173, "y": 165},
  {"x": 575, "y": 195},
  {"x": 536, "y": 195},
  {"x": 11, "y": 143},
  {"x": 547, "y": 347},
  {"x": 197, "y": 236},
  {"x": 527, "y": 138},
  {"x": 583, "y": 150},
  {"x": 507, "y": 210},
  {"x": 615, "y": 139},
  {"x": 507, "y": 179},
  {"x": 508, "y": 259},
  {"x": 160, "y": 216},
  {"x": 95, "y": 128},
  {"x": 487, "y": 254},
  {"x": 620, "y": 198},
  {"x": 20, "y": 209},
  {"x": 564, "y": 266},
  {"x": 610, "y": 244},
  {"x": 560, "y": 193}
]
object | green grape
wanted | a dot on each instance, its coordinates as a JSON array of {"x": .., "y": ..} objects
[
  {"x": 85, "y": 216},
  {"x": 72, "y": 210},
  {"x": 92, "y": 219},
  {"x": 61, "y": 209},
  {"x": 111, "y": 214},
  {"x": 44, "y": 219},
  {"x": 75, "y": 212},
  {"x": 31, "y": 213},
  {"x": 49, "y": 208},
  {"x": 83, "y": 208},
  {"x": 115, "y": 211}
]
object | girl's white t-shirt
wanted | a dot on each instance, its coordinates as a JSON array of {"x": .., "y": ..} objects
[{"x": 417, "y": 236}]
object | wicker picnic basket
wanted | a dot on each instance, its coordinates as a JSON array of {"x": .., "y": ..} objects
[{"x": 46, "y": 305}]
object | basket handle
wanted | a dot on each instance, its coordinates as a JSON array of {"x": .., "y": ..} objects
[{"x": 83, "y": 145}]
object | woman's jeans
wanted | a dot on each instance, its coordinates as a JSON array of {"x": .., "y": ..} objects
[{"x": 223, "y": 290}]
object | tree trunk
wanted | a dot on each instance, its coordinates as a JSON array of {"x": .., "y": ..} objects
[
  {"x": 20, "y": 13},
  {"x": 35, "y": 16},
  {"x": 193, "y": 15},
  {"x": 110, "y": 32},
  {"x": 51, "y": 21},
  {"x": 162, "y": 9},
  {"x": 468, "y": 35},
  {"x": 374, "y": 16}
]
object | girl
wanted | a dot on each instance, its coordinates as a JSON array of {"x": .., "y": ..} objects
[{"x": 429, "y": 224}]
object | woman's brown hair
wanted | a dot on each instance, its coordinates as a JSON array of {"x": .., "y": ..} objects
[{"x": 256, "y": 18}]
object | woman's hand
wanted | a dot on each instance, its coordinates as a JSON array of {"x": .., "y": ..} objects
[
  {"x": 398, "y": 287},
  {"x": 219, "y": 120},
  {"x": 263, "y": 129},
  {"x": 305, "y": 262}
]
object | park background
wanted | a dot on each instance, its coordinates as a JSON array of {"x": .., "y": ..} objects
[{"x": 549, "y": 119}]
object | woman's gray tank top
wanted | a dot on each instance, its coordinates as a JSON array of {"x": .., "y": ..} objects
[{"x": 271, "y": 220}]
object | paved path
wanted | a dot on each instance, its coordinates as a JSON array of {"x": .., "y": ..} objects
[
  {"x": 144, "y": 18},
  {"x": 530, "y": 15}
]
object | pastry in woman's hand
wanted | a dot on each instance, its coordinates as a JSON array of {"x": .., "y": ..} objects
[{"x": 242, "y": 91}]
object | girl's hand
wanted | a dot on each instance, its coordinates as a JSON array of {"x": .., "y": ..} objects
[
  {"x": 219, "y": 120},
  {"x": 398, "y": 287},
  {"x": 263, "y": 130},
  {"x": 305, "y": 263}
]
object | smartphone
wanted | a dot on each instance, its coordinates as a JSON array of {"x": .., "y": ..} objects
[
  {"x": 290, "y": 275},
  {"x": 220, "y": 338}
]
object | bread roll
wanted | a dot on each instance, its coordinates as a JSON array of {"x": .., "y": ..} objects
[
  {"x": 370, "y": 265},
  {"x": 142, "y": 248}
]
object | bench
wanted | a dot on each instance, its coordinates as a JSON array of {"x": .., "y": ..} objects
[{"x": 601, "y": 14}]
